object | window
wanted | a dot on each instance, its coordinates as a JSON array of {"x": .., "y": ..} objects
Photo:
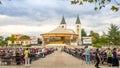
[{"x": 62, "y": 26}]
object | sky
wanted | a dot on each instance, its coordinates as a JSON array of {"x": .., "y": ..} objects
[{"x": 35, "y": 17}]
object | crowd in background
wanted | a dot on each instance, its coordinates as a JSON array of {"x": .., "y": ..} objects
[
  {"x": 25, "y": 56},
  {"x": 103, "y": 56}
]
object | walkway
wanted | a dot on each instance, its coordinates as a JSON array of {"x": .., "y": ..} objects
[
  {"x": 57, "y": 60},
  {"x": 61, "y": 60}
]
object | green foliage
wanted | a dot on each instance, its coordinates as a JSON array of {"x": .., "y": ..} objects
[
  {"x": 28, "y": 46},
  {"x": 83, "y": 33},
  {"x": 12, "y": 39},
  {"x": 90, "y": 1},
  {"x": 7, "y": 38},
  {"x": 95, "y": 37},
  {"x": 114, "y": 8},
  {"x": 99, "y": 4},
  {"x": 74, "y": 2},
  {"x": 97, "y": 45},
  {"x": 96, "y": 8},
  {"x": 2, "y": 41},
  {"x": 111, "y": 38},
  {"x": 24, "y": 37},
  {"x": 18, "y": 44},
  {"x": 114, "y": 34},
  {"x": 103, "y": 40},
  {"x": 1, "y": 38},
  {"x": 81, "y": 3}
]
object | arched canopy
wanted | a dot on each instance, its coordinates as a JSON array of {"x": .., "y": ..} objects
[{"x": 61, "y": 32}]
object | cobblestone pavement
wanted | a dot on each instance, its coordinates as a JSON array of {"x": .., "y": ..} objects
[{"x": 57, "y": 60}]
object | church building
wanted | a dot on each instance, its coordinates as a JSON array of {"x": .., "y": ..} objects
[{"x": 62, "y": 35}]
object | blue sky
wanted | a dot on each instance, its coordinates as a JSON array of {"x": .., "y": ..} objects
[{"x": 34, "y": 17}]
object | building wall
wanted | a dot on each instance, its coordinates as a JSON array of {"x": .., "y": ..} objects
[
  {"x": 26, "y": 42},
  {"x": 63, "y": 26},
  {"x": 9, "y": 42},
  {"x": 78, "y": 31},
  {"x": 18, "y": 41}
]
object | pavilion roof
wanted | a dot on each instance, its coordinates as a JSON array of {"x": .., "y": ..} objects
[{"x": 61, "y": 31}]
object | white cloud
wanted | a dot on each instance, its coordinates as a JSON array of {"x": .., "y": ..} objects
[
  {"x": 25, "y": 29},
  {"x": 41, "y": 16}
]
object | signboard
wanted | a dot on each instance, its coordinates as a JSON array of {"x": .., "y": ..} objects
[
  {"x": 87, "y": 40},
  {"x": 34, "y": 40}
]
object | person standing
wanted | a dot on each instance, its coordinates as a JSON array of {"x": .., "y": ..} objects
[
  {"x": 115, "y": 61},
  {"x": 27, "y": 59},
  {"x": 43, "y": 52},
  {"x": 103, "y": 56},
  {"x": 98, "y": 58},
  {"x": 109, "y": 59},
  {"x": 87, "y": 55}
]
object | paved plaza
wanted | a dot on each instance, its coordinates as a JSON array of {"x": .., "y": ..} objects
[{"x": 57, "y": 60}]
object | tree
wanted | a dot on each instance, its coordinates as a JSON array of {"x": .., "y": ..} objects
[
  {"x": 95, "y": 37},
  {"x": 99, "y": 4},
  {"x": 12, "y": 38},
  {"x": 24, "y": 37},
  {"x": 2, "y": 41},
  {"x": 97, "y": 45},
  {"x": 83, "y": 33},
  {"x": 7, "y": 38},
  {"x": 103, "y": 40},
  {"x": 114, "y": 34}
]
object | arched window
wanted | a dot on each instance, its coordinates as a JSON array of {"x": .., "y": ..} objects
[
  {"x": 62, "y": 26},
  {"x": 78, "y": 26}
]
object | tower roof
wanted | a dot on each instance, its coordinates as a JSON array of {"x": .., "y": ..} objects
[
  {"x": 63, "y": 21},
  {"x": 78, "y": 20}
]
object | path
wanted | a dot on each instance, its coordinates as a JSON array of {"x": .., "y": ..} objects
[{"x": 61, "y": 60}]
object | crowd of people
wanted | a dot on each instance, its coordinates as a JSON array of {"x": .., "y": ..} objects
[
  {"x": 25, "y": 56},
  {"x": 103, "y": 56}
]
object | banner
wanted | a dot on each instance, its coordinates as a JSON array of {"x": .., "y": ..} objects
[
  {"x": 34, "y": 40},
  {"x": 86, "y": 40}
]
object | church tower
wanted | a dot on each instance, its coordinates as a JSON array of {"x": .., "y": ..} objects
[
  {"x": 78, "y": 28},
  {"x": 63, "y": 23}
]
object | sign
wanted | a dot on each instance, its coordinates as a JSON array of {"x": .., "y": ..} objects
[
  {"x": 34, "y": 40},
  {"x": 87, "y": 40}
]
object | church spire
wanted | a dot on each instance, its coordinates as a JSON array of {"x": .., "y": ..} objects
[
  {"x": 78, "y": 20},
  {"x": 63, "y": 21}
]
